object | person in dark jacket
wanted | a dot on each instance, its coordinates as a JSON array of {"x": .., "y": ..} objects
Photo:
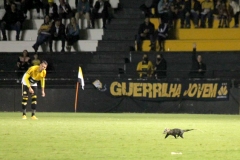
[
  {"x": 57, "y": 33},
  {"x": 198, "y": 68},
  {"x": 52, "y": 9},
  {"x": 100, "y": 10},
  {"x": 145, "y": 31},
  {"x": 12, "y": 20},
  {"x": 160, "y": 69},
  {"x": 65, "y": 10},
  {"x": 162, "y": 34}
]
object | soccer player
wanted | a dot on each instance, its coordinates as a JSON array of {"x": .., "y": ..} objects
[{"x": 29, "y": 85}]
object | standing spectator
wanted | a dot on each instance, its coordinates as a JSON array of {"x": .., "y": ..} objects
[
  {"x": 43, "y": 33},
  {"x": 65, "y": 10},
  {"x": 207, "y": 13},
  {"x": 12, "y": 20},
  {"x": 234, "y": 7},
  {"x": 35, "y": 61},
  {"x": 160, "y": 69},
  {"x": 100, "y": 10},
  {"x": 146, "y": 31},
  {"x": 83, "y": 11},
  {"x": 72, "y": 33},
  {"x": 38, "y": 4},
  {"x": 162, "y": 34},
  {"x": 145, "y": 67},
  {"x": 57, "y": 33},
  {"x": 52, "y": 9},
  {"x": 199, "y": 68},
  {"x": 23, "y": 63}
]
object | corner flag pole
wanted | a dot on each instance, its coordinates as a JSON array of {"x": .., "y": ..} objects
[
  {"x": 76, "y": 98},
  {"x": 80, "y": 80}
]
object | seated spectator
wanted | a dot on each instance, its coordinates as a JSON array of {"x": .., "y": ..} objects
[
  {"x": 57, "y": 33},
  {"x": 162, "y": 34},
  {"x": 7, "y": 4},
  {"x": 65, "y": 10},
  {"x": 52, "y": 10},
  {"x": 160, "y": 69},
  {"x": 163, "y": 9},
  {"x": 145, "y": 67},
  {"x": 234, "y": 9},
  {"x": 43, "y": 33},
  {"x": 223, "y": 15},
  {"x": 192, "y": 11},
  {"x": 195, "y": 12},
  {"x": 12, "y": 20},
  {"x": 100, "y": 10},
  {"x": 146, "y": 8},
  {"x": 176, "y": 12},
  {"x": 23, "y": 63},
  {"x": 35, "y": 61},
  {"x": 72, "y": 33},
  {"x": 83, "y": 11},
  {"x": 27, "y": 5},
  {"x": 146, "y": 31},
  {"x": 207, "y": 13},
  {"x": 198, "y": 68}
]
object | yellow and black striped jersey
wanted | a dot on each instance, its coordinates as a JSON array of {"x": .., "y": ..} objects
[{"x": 33, "y": 75}]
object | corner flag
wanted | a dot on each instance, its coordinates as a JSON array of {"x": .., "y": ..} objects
[{"x": 80, "y": 77}]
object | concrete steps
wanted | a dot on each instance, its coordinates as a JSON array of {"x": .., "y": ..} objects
[
  {"x": 119, "y": 35},
  {"x": 114, "y": 45},
  {"x": 16, "y": 46},
  {"x": 208, "y": 34},
  {"x": 203, "y": 45}
]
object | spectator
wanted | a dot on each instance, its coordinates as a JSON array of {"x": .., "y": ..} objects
[
  {"x": 100, "y": 10},
  {"x": 23, "y": 63},
  {"x": 195, "y": 12},
  {"x": 12, "y": 20},
  {"x": 7, "y": 4},
  {"x": 162, "y": 34},
  {"x": 83, "y": 11},
  {"x": 223, "y": 15},
  {"x": 234, "y": 7},
  {"x": 72, "y": 33},
  {"x": 160, "y": 70},
  {"x": 176, "y": 11},
  {"x": 146, "y": 31},
  {"x": 145, "y": 67},
  {"x": 90, "y": 3},
  {"x": 199, "y": 68},
  {"x": 35, "y": 61},
  {"x": 65, "y": 10},
  {"x": 207, "y": 12},
  {"x": 43, "y": 33},
  {"x": 146, "y": 8},
  {"x": 57, "y": 33},
  {"x": 52, "y": 9},
  {"x": 27, "y": 5},
  {"x": 163, "y": 9}
]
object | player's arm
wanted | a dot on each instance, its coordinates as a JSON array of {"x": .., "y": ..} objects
[{"x": 43, "y": 86}]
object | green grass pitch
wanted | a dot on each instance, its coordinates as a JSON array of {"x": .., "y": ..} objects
[{"x": 92, "y": 136}]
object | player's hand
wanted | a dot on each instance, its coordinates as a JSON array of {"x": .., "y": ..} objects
[
  {"x": 194, "y": 45},
  {"x": 43, "y": 94},
  {"x": 31, "y": 90}
]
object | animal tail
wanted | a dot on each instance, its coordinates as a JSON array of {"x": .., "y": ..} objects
[{"x": 186, "y": 130}]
